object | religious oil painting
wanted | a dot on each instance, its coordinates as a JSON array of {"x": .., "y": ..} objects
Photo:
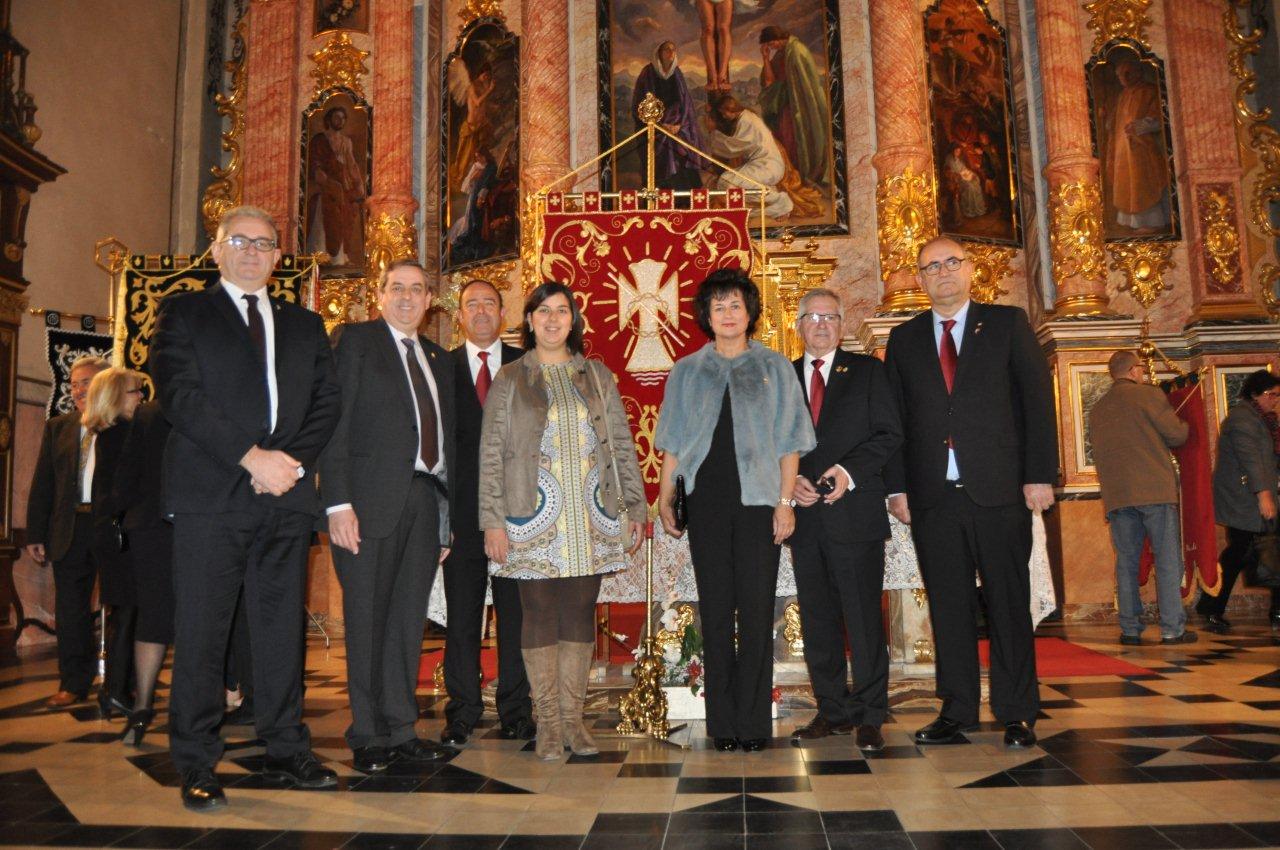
[
  {"x": 748, "y": 82},
  {"x": 1133, "y": 143},
  {"x": 480, "y": 145},
  {"x": 974, "y": 144},
  {"x": 336, "y": 148},
  {"x": 341, "y": 15}
]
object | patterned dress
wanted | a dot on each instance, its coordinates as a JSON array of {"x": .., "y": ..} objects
[{"x": 569, "y": 534}]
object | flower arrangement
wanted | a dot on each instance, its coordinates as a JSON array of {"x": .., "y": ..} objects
[{"x": 683, "y": 658}]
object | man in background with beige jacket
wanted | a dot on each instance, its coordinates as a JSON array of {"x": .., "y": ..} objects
[{"x": 1132, "y": 428}]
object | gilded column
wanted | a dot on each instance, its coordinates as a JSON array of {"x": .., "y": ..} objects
[
  {"x": 270, "y": 123},
  {"x": 544, "y": 92},
  {"x": 906, "y": 208},
  {"x": 390, "y": 233},
  {"x": 1075, "y": 194},
  {"x": 1210, "y": 181}
]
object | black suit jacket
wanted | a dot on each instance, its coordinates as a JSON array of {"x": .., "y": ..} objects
[
  {"x": 138, "y": 479},
  {"x": 859, "y": 429},
  {"x": 213, "y": 391},
  {"x": 465, "y": 489},
  {"x": 369, "y": 463},
  {"x": 55, "y": 490},
  {"x": 1000, "y": 414}
]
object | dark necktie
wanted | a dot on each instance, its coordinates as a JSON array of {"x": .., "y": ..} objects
[
  {"x": 948, "y": 354},
  {"x": 427, "y": 448},
  {"x": 817, "y": 389},
  {"x": 257, "y": 330},
  {"x": 484, "y": 379}
]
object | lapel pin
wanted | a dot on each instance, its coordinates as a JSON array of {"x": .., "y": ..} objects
[
  {"x": 842, "y": 368},
  {"x": 977, "y": 329}
]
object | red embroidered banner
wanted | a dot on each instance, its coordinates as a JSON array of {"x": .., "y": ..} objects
[{"x": 634, "y": 274}]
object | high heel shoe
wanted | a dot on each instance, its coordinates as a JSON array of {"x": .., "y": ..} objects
[
  {"x": 137, "y": 726},
  {"x": 110, "y": 706}
]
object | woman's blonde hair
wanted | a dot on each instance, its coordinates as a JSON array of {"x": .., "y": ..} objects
[{"x": 106, "y": 399}]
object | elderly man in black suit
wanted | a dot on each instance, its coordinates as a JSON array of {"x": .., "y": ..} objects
[
  {"x": 384, "y": 480},
  {"x": 60, "y": 531},
  {"x": 466, "y": 570},
  {"x": 981, "y": 453},
  {"x": 841, "y": 526},
  {"x": 248, "y": 384}
]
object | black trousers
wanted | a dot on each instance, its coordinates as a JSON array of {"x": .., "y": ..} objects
[
  {"x": 239, "y": 664},
  {"x": 74, "y": 575},
  {"x": 954, "y": 539},
  {"x": 840, "y": 584},
  {"x": 735, "y": 566},
  {"x": 385, "y": 589},
  {"x": 466, "y": 572},
  {"x": 1234, "y": 559},
  {"x": 214, "y": 555}
]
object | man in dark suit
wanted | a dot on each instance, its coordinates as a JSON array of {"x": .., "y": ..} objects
[
  {"x": 248, "y": 384},
  {"x": 476, "y": 362},
  {"x": 981, "y": 453},
  {"x": 384, "y": 481},
  {"x": 838, "y": 545},
  {"x": 60, "y": 531}
]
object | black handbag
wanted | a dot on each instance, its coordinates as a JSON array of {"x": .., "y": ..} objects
[
  {"x": 1264, "y": 569},
  {"x": 681, "y": 505}
]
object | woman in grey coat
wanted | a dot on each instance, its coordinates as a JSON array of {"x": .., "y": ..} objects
[{"x": 1244, "y": 487}]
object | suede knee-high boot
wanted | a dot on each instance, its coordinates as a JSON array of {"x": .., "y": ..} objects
[
  {"x": 541, "y": 664},
  {"x": 575, "y": 669}
]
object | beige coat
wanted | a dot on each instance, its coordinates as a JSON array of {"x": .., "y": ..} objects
[
  {"x": 515, "y": 417},
  {"x": 1132, "y": 429}
]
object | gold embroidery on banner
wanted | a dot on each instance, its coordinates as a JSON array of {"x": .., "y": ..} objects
[
  {"x": 226, "y": 190},
  {"x": 644, "y": 423},
  {"x": 991, "y": 264},
  {"x": 1112, "y": 19},
  {"x": 1144, "y": 265},
  {"x": 339, "y": 64}
]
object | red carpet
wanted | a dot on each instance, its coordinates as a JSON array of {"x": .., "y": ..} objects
[
  {"x": 427, "y": 666},
  {"x": 1057, "y": 657}
]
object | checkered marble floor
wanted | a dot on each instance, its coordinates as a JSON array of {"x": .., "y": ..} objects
[{"x": 1184, "y": 755}]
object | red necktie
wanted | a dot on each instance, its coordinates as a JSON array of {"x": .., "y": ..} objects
[
  {"x": 947, "y": 354},
  {"x": 484, "y": 379},
  {"x": 817, "y": 389}
]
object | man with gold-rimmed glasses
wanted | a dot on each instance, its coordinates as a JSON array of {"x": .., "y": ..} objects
[{"x": 980, "y": 455}]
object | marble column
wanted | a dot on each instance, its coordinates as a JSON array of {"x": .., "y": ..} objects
[
  {"x": 906, "y": 207},
  {"x": 1209, "y": 184},
  {"x": 390, "y": 233},
  {"x": 1075, "y": 194},
  {"x": 270, "y": 148}
]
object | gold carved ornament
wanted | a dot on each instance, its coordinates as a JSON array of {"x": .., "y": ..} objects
[
  {"x": 1144, "y": 265},
  {"x": 339, "y": 64},
  {"x": 907, "y": 211},
  {"x": 1261, "y": 138},
  {"x": 1075, "y": 231},
  {"x": 991, "y": 264},
  {"x": 1221, "y": 240},
  {"x": 342, "y": 300},
  {"x": 532, "y": 229},
  {"x": 675, "y": 637},
  {"x": 1113, "y": 19},
  {"x": 388, "y": 238},
  {"x": 792, "y": 632},
  {"x": 226, "y": 190},
  {"x": 475, "y": 9}
]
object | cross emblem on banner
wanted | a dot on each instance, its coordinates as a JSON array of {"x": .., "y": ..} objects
[{"x": 657, "y": 305}]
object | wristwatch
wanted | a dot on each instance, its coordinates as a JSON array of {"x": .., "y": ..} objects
[{"x": 791, "y": 503}]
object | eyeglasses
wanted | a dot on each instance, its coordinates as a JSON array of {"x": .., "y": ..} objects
[
  {"x": 819, "y": 318},
  {"x": 1272, "y": 393},
  {"x": 951, "y": 263},
  {"x": 262, "y": 244}
]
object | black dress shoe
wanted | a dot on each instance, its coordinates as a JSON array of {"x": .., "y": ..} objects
[
  {"x": 820, "y": 727},
  {"x": 417, "y": 749},
  {"x": 1186, "y": 637},
  {"x": 1019, "y": 734},
  {"x": 942, "y": 731},
  {"x": 370, "y": 759},
  {"x": 1130, "y": 640},
  {"x": 726, "y": 745},
  {"x": 869, "y": 738},
  {"x": 303, "y": 770},
  {"x": 523, "y": 729},
  {"x": 111, "y": 705},
  {"x": 455, "y": 734},
  {"x": 201, "y": 790},
  {"x": 1216, "y": 624},
  {"x": 753, "y": 745}
]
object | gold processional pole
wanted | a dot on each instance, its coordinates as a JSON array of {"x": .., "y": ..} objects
[{"x": 644, "y": 707}]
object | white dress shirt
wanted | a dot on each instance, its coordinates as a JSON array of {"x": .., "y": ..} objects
[
  {"x": 86, "y": 482},
  {"x": 825, "y": 370},
  {"x": 495, "y": 358},
  {"x": 236, "y": 294},
  {"x": 957, "y": 333}
]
